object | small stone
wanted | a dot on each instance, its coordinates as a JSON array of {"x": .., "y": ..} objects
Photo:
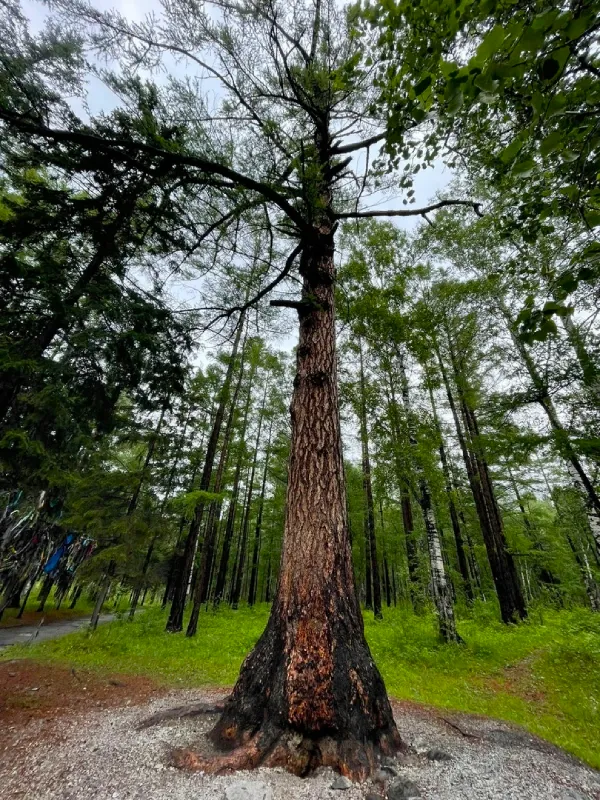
[
  {"x": 385, "y": 773},
  {"x": 373, "y": 796},
  {"x": 249, "y": 790},
  {"x": 341, "y": 782},
  {"x": 402, "y": 789},
  {"x": 438, "y": 755},
  {"x": 571, "y": 794}
]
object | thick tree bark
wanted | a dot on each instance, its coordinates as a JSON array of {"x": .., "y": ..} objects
[
  {"x": 310, "y": 694},
  {"x": 372, "y": 565},
  {"x": 175, "y": 621}
]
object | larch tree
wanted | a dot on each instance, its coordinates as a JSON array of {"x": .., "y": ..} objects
[{"x": 283, "y": 135}]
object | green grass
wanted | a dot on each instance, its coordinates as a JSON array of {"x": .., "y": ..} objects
[{"x": 543, "y": 674}]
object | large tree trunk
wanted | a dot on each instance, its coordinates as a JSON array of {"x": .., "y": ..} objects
[{"x": 310, "y": 694}]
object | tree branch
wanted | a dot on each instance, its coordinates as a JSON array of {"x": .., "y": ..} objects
[
  {"x": 268, "y": 288},
  {"x": 408, "y": 212},
  {"x": 114, "y": 148},
  {"x": 353, "y": 146}
]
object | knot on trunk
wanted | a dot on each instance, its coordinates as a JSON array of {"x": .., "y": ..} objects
[{"x": 320, "y": 378}]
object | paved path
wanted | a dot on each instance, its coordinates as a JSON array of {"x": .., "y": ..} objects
[{"x": 53, "y": 630}]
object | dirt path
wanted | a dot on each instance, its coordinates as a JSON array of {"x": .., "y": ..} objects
[
  {"x": 67, "y": 735},
  {"x": 24, "y": 634}
]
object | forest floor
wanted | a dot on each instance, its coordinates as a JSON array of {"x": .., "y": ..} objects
[
  {"x": 76, "y": 735},
  {"x": 74, "y": 697}
]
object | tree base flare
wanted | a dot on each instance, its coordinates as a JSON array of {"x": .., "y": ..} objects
[{"x": 298, "y": 754}]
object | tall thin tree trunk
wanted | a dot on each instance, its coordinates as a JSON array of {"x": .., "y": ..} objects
[
  {"x": 202, "y": 587},
  {"x": 589, "y": 368},
  {"x": 102, "y": 594},
  {"x": 441, "y": 589},
  {"x": 246, "y": 522},
  {"x": 372, "y": 565},
  {"x": 580, "y": 478},
  {"x": 504, "y": 571},
  {"x": 175, "y": 621},
  {"x": 463, "y": 564},
  {"x": 258, "y": 528},
  {"x": 386, "y": 571},
  {"x": 412, "y": 552}
]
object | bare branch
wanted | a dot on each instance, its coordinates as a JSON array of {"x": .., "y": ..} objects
[
  {"x": 264, "y": 291},
  {"x": 408, "y": 212},
  {"x": 353, "y": 146}
]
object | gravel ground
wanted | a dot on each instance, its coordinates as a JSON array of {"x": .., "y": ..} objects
[{"x": 101, "y": 755}]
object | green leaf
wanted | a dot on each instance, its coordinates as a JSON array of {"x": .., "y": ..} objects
[
  {"x": 551, "y": 143},
  {"x": 549, "y": 68},
  {"x": 511, "y": 152},
  {"x": 422, "y": 85},
  {"x": 491, "y": 43},
  {"x": 523, "y": 169},
  {"x": 592, "y": 218},
  {"x": 455, "y": 104},
  {"x": 487, "y": 97}
]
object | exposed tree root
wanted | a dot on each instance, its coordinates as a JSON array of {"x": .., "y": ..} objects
[
  {"x": 180, "y": 712},
  {"x": 298, "y": 754}
]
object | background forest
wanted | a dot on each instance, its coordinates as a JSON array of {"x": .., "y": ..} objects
[{"x": 148, "y": 332}]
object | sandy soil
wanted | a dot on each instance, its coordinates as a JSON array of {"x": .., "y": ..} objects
[{"x": 75, "y": 736}]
